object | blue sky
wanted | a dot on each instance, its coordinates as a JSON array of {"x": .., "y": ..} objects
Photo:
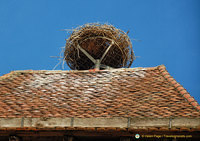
[{"x": 169, "y": 30}]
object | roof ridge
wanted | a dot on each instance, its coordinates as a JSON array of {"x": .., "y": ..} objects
[
  {"x": 17, "y": 72},
  {"x": 178, "y": 87},
  {"x": 75, "y": 71},
  {"x": 8, "y": 75}
]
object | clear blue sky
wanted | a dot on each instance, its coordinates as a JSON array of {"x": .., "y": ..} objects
[{"x": 169, "y": 30}]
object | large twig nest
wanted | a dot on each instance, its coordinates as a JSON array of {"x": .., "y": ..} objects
[{"x": 95, "y": 39}]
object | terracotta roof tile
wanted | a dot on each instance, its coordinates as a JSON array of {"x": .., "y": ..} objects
[{"x": 135, "y": 92}]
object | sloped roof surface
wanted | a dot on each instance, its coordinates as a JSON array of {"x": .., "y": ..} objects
[{"x": 135, "y": 92}]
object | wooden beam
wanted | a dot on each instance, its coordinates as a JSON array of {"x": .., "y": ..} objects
[
  {"x": 125, "y": 139},
  {"x": 68, "y": 138}
]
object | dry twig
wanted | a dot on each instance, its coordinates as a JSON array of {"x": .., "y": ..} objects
[{"x": 96, "y": 39}]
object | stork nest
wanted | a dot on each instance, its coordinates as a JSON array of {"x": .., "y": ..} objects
[{"x": 110, "y": 45}]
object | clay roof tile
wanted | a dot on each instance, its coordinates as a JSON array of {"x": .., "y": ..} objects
[{"x": 135, "y": 92}]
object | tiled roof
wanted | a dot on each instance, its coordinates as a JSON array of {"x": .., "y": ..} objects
[{"x": 135, "y": 92}]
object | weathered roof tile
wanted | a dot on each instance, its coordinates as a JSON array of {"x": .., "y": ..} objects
[{"x": 136, "y": 92}]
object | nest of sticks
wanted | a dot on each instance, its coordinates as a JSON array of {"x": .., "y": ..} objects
[{"x": 104, "y": 42}]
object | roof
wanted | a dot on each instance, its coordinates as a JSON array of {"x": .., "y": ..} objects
[{"x": 135, "y": 92}]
